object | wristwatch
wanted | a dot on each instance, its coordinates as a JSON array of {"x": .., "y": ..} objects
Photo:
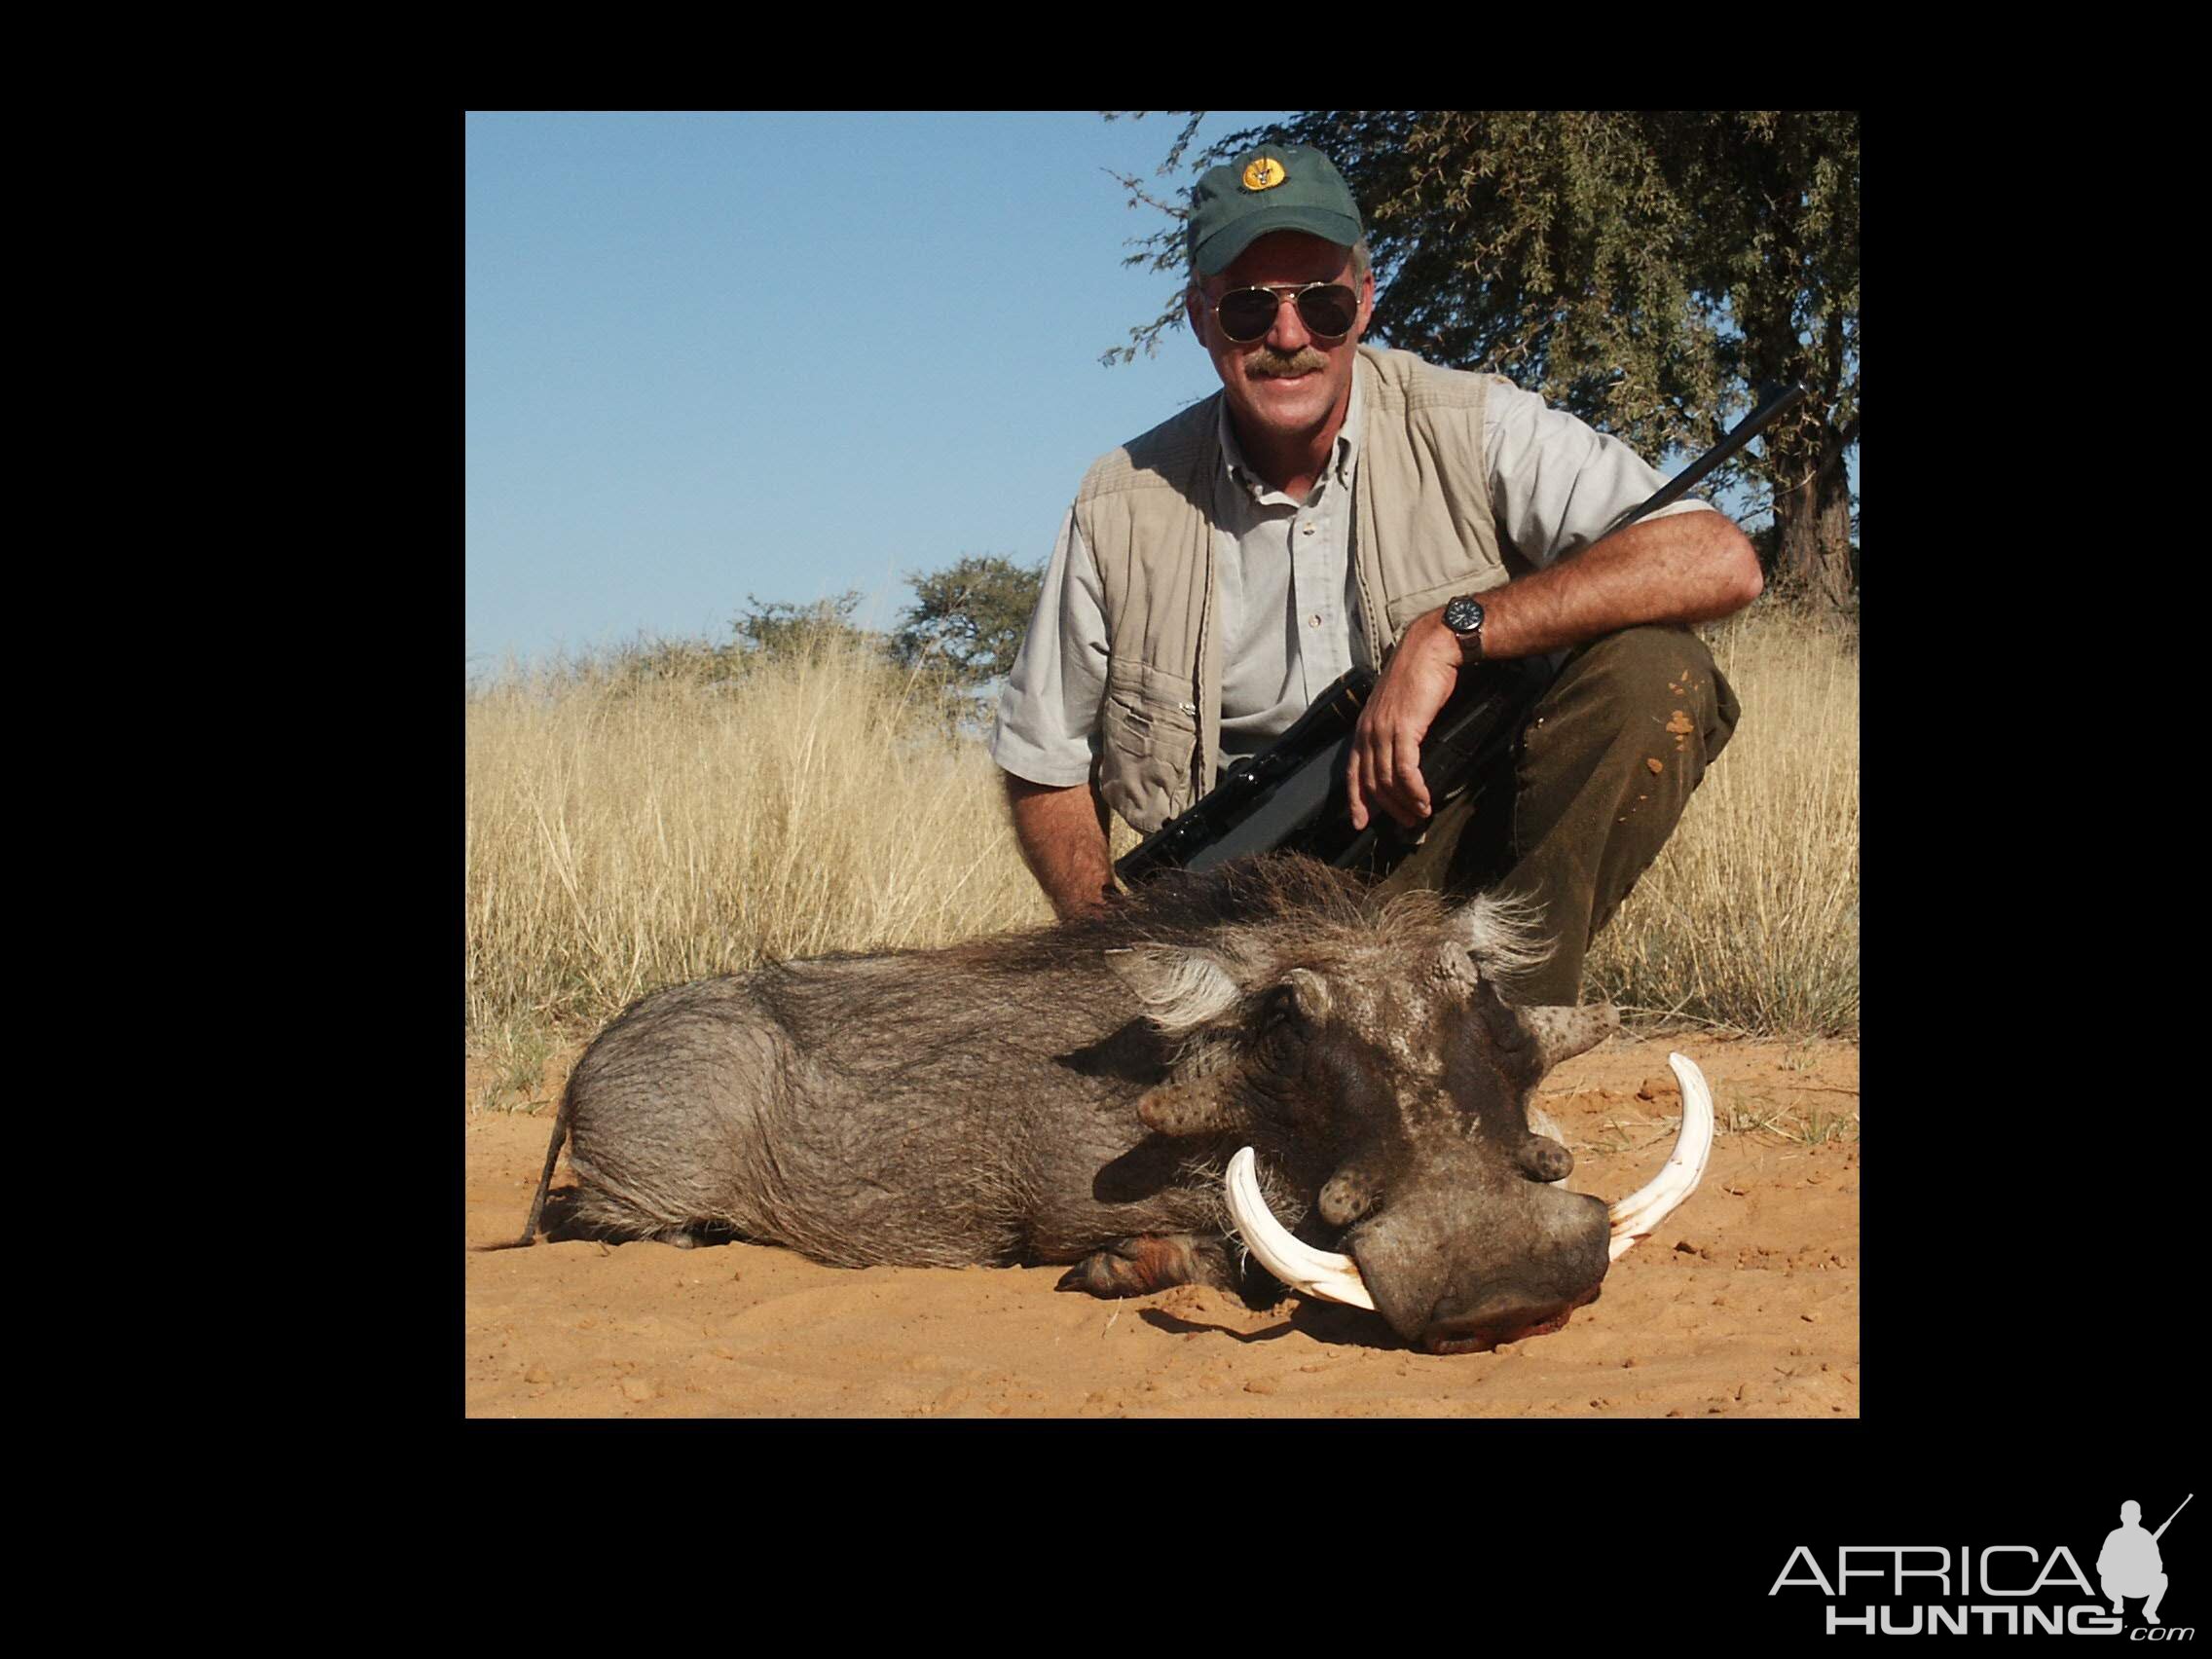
[{"x": 1464, "y": 617}]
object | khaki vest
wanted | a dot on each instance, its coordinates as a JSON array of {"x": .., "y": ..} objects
[{"x": 1421, "y": 532}]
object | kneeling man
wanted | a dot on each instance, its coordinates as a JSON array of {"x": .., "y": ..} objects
[{"x": 1333, "y": 506}]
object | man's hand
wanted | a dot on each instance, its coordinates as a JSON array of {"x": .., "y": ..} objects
[
  {"x": 1063, "y": 836},
  {"x": 1686, "y": 568},
  {"x": 1414, "y": 684}
]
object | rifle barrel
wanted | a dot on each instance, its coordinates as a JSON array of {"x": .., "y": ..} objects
[
  {"x": 1742, "y": 433},
  {"x": 2169, "y": 1520}
]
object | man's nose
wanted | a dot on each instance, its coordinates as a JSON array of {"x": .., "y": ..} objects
[{"x": 1289, "y": 333}]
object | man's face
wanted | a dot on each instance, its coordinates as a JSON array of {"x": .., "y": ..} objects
[{"x": 1289, "y": 382}]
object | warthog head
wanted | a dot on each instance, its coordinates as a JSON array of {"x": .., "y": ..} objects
[{"x": 1385, "y": 1077}]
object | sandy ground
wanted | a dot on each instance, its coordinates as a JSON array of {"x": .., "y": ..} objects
[{"x": 1744, "y": 1305}]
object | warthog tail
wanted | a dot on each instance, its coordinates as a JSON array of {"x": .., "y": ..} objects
[{"x": 552, "y": 1157}]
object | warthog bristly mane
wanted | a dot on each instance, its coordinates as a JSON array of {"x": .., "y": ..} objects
[{"x": 1327, "y": 909}]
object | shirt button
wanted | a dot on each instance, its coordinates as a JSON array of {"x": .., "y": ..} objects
[
  {"x": 1314, "y": 620},
  {"x": 1306, "y": 529}
]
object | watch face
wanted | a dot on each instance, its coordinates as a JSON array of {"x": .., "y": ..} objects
[{"x": 1464, "y": 615}]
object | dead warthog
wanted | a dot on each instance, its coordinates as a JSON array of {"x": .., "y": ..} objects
[{"x": 1118, "y": 1093}]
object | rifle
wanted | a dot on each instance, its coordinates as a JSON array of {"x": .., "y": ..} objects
[
  {"x": 1291, "y": 795},
  {"x": 2169, "y": 1520}
]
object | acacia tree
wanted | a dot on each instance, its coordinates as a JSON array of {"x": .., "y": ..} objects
[
  {"x": 1648, "y": 271},
  {"x": 970, "y": 618},
  {"x": 778, "y": 629}
]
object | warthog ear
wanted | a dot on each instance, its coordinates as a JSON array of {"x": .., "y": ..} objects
[
  {"x": 1180, "y": 989},
  {"x": 1503, "y": 935},
  {"x": 1561, "y": 1033}
]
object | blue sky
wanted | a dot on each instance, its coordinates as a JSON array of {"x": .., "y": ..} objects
[{"x": 790, "y": 354}]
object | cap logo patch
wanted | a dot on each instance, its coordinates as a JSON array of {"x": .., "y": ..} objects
[{"x": 1264, "y": 173}]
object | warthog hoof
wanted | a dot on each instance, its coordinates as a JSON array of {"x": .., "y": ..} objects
[{"x": 1149, "y": 1262}]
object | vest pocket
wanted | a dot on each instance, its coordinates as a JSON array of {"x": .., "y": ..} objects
[{"x": 1145, "y": 759}]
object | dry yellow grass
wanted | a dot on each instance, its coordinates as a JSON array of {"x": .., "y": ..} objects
[
  {"x": 625, "y": 833},
  {"x": 1749, "y": 919},
  {"x": 632, "y": 823}
]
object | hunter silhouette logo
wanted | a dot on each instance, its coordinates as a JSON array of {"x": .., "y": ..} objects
[
  {"x": 2129, "y": 1564},
  {"x": 1999, "y": 1589}
]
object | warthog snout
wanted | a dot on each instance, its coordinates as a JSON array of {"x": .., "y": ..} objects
[{"x": 1518, "y": 1262}]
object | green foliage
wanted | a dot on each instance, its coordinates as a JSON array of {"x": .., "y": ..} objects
[
  {"x": 1648, "y": 271},
  {"x": 968, "y": 620},
  {"x": 779, "y": 630}
]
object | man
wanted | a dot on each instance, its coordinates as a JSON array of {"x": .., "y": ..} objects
[
  {"x": 2129, "y": 1564},
  {"x": 1215, "y": 574}
]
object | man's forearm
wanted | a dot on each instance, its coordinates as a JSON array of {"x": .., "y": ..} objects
[
  {"x": 1063, "y": 837},
  {"x": 1684, "y": 567}
]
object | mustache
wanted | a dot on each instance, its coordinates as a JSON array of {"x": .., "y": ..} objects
[{"x": 1267, "y": 362}]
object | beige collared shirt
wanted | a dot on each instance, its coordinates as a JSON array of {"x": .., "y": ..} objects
[
  {"x": 1283, "y": 570},
  {"x": 1284, "y": 574}
]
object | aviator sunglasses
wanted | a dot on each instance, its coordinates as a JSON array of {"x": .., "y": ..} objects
[{"x": 1327, "y": 309}]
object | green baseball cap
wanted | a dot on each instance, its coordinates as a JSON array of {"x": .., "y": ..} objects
[{"x": 1275, "y": 187}]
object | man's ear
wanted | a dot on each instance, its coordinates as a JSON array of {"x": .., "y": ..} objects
[
  {"x": 1194, "y": 313},
  {"x": 1366, "y": 305}
]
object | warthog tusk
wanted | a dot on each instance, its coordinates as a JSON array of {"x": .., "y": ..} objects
[
  {"x": 1317, "y": 1273},
  {"x": 1637, "y": 1215}
]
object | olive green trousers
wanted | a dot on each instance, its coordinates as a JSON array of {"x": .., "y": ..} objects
[{"x": 1601, "y": 774}]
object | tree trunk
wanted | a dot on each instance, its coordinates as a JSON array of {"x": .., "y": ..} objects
[{"x": 1812, "y": 520}]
